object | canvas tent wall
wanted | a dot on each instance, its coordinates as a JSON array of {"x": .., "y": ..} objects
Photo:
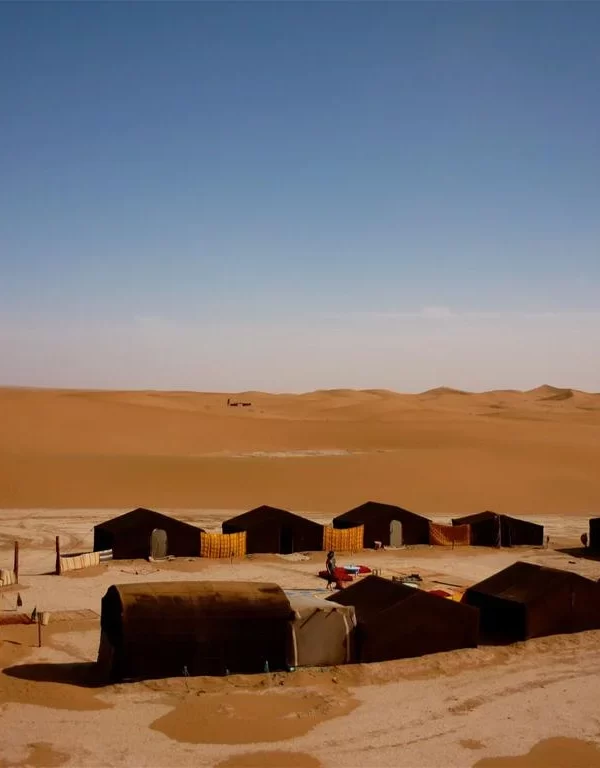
[
  {"x": 594, "y": 536},
  {"x": 377, "y": 519},
  {"x": 395, "y": 621},
  {"x": 269, "y": 529},
  {"x": 322, "y": 632},
  {"x": 527, "y": 600},
  {"x": 130, "y": 535},
  {"x": 165, "y": 629},
  {"x": 489, "y": 529}
]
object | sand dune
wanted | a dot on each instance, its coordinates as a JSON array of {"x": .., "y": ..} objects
[{"x": 442, "y": 451}]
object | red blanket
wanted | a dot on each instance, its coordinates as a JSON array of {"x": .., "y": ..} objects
[{"x": 339, "y": 573}]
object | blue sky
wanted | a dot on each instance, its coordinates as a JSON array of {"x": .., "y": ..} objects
[{"x": 299, "y": 195}]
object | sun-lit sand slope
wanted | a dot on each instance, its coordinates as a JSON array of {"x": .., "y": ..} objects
[{"x": 440, "y": 452}]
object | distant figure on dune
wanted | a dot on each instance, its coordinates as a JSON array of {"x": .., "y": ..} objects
[{"x": 584, "y": 540}]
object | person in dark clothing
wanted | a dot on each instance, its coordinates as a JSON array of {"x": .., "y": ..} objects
[{"x": 330, "y": 566}]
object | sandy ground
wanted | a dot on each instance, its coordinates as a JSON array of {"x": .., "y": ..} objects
[
  {"x": 71, "y": 459},
  {"x": 441, "y": 452}
]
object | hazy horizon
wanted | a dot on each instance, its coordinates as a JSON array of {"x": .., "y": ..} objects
[{"x": 440, "y": 389}]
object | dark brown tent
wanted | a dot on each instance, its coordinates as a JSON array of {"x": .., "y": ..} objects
[
  {"x": 169, "y": 629},
  {"x": 489, "y": 529},
  {"x": 386, "y": 523},
  {"x": 527, "y": 600},
  {"x": 131, "y": 535},
  {"x": 269, "y": 529},
  {"x": 594, "y": 537},
  {"x": 395, "y": 621}
]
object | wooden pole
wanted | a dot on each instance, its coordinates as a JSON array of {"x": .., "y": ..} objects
[
  {"x": 39, "y": 623},
  {"x": 58, "y": 555},
  {"x": 16, "y": 562}
]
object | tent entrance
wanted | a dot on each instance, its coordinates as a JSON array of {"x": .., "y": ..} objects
[
  {"x": 158, "y": 544},
  {"x": 286, "y": 540},
  {"x": 396, "y": 537}
]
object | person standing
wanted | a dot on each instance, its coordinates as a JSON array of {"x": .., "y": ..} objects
[{"x": 330, "y": 567}]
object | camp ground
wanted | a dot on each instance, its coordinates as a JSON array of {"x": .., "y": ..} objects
[
  {"x": 428, "y": 586},
  {"x": 139, "y": 625}
]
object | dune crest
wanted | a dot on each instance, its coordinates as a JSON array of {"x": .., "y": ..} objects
[{"x": 437, "y": 391}]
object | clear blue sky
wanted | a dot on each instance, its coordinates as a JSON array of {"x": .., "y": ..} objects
[{"x": 296, "y": 195}]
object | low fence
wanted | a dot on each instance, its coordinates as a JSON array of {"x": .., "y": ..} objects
[
  {"x": 217, "y": 545},
  {"x": 8, "y": 576},
  {"x": 343, "y": 539},
  {"x": 83, "y": 560},
  {"x": 449, "y": 535}
]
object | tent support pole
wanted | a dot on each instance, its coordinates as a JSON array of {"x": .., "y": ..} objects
[{"x": 16, "y": 562}]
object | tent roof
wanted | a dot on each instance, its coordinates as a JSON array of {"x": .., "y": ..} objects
[
  {"x": 372, "y": 594},
  {"x": 378, "y": 507},
  {"x": 132, "y": 518},
  {"x": 191, "y": 600},
  {"x": 308, "y": 604},
  {"x": 524, "y": 582},
  {"x": 375, "y": 595},
  {"x": 480, "y": 517},
  {"x": 266, "y": 512}
]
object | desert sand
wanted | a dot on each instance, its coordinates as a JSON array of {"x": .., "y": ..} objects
[
  {"x": 71, "y": 459},
  {"x": 440, "y": 452}
]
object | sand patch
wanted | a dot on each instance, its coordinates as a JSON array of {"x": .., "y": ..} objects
[
  {"x": 249, "y": 718},
  {"x": 41, "y": 755},
  {"x": 471, "y": 744},
  {"x": 277, "y": 759},
  {"x": 86, "y": 573},
  {"x": 557, "y": 753},
  {"x": 194, "y": 564}
]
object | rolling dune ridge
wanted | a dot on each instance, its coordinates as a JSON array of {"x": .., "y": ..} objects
[{"x": 442, "y": 451}]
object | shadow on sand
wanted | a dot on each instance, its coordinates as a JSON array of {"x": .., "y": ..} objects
[
  {"x": 584, "y": 553},
  {"x": 82, "y": 675}
]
